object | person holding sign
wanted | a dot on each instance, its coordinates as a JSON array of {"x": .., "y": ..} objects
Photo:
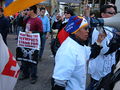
[{"x": 33, "y": 25}]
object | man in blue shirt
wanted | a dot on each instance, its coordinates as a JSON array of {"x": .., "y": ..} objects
[{"x": 46, "y": 29}]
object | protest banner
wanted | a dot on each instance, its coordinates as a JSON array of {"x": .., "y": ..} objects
[
  {"x": 28, "y": 47},
  {"x": 9, "y": 68},
  {"x": 29, "y": 40}
]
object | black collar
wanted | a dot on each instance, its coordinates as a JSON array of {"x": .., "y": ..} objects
[
  {"x": 2, "y": 16},
  {"x": 77, "y": 40}
]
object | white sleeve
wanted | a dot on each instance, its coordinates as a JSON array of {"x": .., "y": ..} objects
[
  {"x": 94, "y": 35},
  {"x": 87, "y": 52},
  {"x": 105, "y": 42},
  {"x": 64, "y": 65}
]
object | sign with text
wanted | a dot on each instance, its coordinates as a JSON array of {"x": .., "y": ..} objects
[
  {"x": 29, "y": 40},
  {"x": 27, "y": 54}
]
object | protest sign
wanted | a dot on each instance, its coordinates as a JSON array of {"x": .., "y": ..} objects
[
  {"x": 28, "y": 47},
  {"x": 29, "y": 40}
]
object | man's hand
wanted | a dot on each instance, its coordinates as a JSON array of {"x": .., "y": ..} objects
[
  {"x": 118, "y": 33},
  {"x": 101, "y": 37},
  {"x": 47, "y": 35},
  {"x": 29, "y": 32}
]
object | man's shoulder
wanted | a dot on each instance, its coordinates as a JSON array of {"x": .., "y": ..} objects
[
  {"x": 37, "y": 19},
  {"x": 46, "y": 16},
  {"x": 4, "y": 18}
]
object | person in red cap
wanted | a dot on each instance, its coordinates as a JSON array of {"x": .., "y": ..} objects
[
  {"x": 4, "y": 25},
  {"x": 70, "y": 60}
]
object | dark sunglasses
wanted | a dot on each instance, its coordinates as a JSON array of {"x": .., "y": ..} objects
[
  {"x": 111, "y": 13},
  {"x": 66, "y": 12},
  {"x": 27, "y": 10},
  {"x": 86, "y": 28}
]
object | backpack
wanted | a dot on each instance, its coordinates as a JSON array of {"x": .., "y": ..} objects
[
  {"x": 56, "y": 42},
  {"x": 108, "y": 82}
]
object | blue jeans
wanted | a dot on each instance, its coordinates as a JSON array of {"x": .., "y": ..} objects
[
  {"x": 43, "y": 40},
  {"x": 19, "y": 28}
]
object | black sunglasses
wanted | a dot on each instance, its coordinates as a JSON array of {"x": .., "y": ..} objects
[
  {"x": 66, "y": 12},
  {"x": 86, "y": 28},
  {"x": 27, "y": 10},
  {"x": 111, "y": 13}
]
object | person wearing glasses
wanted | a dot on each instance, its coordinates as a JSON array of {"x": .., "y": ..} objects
[
  {"x": 70, "y": 60},
  {"x": 102, "y": 64},
  {"x": 55, "y": 43},
  {"x": 33, "y": 25},
  {"x": 107, "y": 11},
  {"x": 67, "y": 14}
]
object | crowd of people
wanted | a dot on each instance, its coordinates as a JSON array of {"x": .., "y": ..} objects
[
  {"x": 85, "y": 50},
  {"x": 68, "y": 75}
]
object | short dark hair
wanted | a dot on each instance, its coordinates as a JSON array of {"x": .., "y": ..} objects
[
  {"x": 42, "y": 8},
  {"x": 104, "y": 7},
  {"x": 92, "y": 13},
  {"x": 70, "y": 11},
  {"x": 115, "y": 8},
  {"x": 1, "y": 9},
  {"x": 34, "y": 8}
]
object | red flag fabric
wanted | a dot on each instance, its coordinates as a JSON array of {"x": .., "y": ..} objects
[
  {"x": 62, "y": 35},
  {"x": 9, "y": 68}
]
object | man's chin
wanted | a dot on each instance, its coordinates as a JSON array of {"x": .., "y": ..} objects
[{"x": 85, "y": 39}]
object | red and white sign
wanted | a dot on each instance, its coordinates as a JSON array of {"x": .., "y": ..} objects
[
  {"x": 9, "y": 68},
  {"x": 29, "y": 40}
]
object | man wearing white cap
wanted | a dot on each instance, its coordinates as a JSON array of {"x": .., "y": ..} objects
[{"x": 70, "y": 60}]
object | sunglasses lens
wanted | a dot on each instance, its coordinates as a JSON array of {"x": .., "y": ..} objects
[
  {"x": 66, "y": 13},
  {"x": 111, "y": 12},
  {"x": 86, "y": 28}
]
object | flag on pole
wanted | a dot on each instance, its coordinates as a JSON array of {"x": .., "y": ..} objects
[
  {"x": 7, "y": 2},
  {"x": 14, "y": 6},
  {"x": 9, "y": 68}
]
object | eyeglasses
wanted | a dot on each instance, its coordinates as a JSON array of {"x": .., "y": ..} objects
[
  {"x": 66, "y": 12},
  {"x": 111, "y": 13},
  {"x": 27, "y": 10},
  {"x": 86, "y": 28}
]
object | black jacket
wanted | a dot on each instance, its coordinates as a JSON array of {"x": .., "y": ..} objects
[{"x": 4, "y": 25}]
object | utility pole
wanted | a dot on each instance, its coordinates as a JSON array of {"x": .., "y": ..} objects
[
  {"x": 54, "y": 6},
  {"x": 1, "y": 3},
  {"x": 93, "y": 4},
  {"x": 85, "y": 8},
  {"x": 99, "y": 3},
  {"x": 105, "y": 1},
  {"x": 79, "y": 9}
]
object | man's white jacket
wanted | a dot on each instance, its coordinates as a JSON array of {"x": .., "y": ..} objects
[
  {"x": 101, "y": 65},
  {"x": 70, "y": 64}
]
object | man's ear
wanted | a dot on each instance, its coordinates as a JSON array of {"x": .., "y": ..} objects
[{"x": 102, "y": 14}]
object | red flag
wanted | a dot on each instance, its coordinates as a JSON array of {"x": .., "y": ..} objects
[
  {"x": 9, "y": 68},
  {"x": 62, "y": 35}
]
